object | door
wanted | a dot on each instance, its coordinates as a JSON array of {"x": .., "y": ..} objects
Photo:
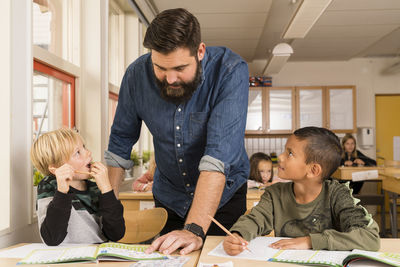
[{"x": 387, "y": 110}]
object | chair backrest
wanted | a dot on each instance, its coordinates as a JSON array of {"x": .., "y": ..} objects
[
  {"x": 142, "y": 225},
  {"x": 392, "y": 163}
]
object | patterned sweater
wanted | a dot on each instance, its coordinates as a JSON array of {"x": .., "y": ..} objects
[
  {"x": 333, "y": 220},
  {"x": 78, "y": 216}
]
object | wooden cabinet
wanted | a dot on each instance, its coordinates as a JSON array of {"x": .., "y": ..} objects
[
  {"x": 270, "y": 110},
  {"x": 281, "y": 110},
  {"x": 256, "y": 110},
  {"x": 310, "y": 107},
  {"x": 341, "y": 106}
]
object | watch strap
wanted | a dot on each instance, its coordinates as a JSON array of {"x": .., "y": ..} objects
[{"x": 195, "y": 229}]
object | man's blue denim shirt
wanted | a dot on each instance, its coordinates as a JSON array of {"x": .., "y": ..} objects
[{"x": 205, "y": 133}]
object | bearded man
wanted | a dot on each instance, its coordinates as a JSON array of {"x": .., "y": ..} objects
[{"x": 193, "y": 99}]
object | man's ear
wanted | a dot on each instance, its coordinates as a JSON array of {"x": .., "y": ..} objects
[
  {"x": 201, "y": 51},
  {"x": 314, "y": 170}
]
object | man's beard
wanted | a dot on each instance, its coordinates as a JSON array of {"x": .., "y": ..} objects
[{"x": 185, "y": 90}]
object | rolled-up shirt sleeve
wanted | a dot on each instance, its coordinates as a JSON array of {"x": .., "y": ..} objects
[
  {"x": 227, "y": 122},
  {"x": 125, "y": 130}
]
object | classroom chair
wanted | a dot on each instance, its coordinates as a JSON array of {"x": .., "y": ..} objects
[{"x": 142, "y": 225}]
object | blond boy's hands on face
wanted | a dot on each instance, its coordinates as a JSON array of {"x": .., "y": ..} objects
[
  {"x": 100, "y": 173},
  {"x": 234, "y": 245},
  {"x": 64, "y": 176},
  {"x": 293, "y": 243}
]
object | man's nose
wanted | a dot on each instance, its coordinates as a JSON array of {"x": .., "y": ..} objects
[{"x": 171, "y": 77}]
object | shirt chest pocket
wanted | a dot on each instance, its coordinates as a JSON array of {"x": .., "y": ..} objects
[{"x": 198, "y": 124}]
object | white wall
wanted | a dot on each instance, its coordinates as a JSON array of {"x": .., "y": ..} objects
[
  {"x": 92, "y": 97},
  {"x": 5, "y": 108},
  {"x": 363, "y": 73}
]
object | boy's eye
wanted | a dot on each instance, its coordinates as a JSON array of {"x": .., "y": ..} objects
[{"x": 290, "y": 153}]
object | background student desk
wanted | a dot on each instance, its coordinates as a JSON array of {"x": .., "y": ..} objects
[
  {"x": 136, "y": 200},
  {"x": 144, "y": 200},
  {"x": 345, "y": 173},
  {"x": 253, "y": 197},
  {"x": 391, "y": 184},
  {"x": 387, "y": 245},
  {"x": 11, "y": 262}
]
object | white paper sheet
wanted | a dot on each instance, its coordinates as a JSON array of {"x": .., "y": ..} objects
[
  {"x": 23, "y": 251},
  {"x": 364, "y": 175},
  {"x": 259, "y": 247}
]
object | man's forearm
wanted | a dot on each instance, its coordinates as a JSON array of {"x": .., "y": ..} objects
[
  {"x": 115, "y": 175},
  {"x": 207, "y": 196}
]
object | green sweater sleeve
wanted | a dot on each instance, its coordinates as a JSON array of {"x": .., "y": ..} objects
[
  {"x": 357, "y": 228},
  {"x": 258, "y": 222}
]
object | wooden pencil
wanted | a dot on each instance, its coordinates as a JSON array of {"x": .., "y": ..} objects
[
  {"x": 225, "y": 230},
  {"x": 81, "y": 172}
]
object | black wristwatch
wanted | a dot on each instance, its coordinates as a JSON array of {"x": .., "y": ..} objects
[{"x": 195, "y": 229}]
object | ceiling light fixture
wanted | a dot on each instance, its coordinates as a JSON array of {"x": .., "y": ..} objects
[
  {"x": 280, "y": 54},
  {"x": 307, "y": 13}
]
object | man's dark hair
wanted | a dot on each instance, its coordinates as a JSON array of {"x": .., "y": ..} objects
[
  {"x": 323, "y": 147},
  {"x": 172, "y": 29}
]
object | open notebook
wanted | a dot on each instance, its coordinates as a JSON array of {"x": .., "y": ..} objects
[
  {"x": 260, "y": 250},
  {"x": 90, "y": 253}
]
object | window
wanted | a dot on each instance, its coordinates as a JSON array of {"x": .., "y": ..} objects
[
  {"x": 56, "y": 27},
  {"x": 53, "y": 99}
]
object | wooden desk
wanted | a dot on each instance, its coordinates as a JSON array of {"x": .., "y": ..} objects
[
  {"x": 346, "y": 173},
  {"x": 136, "y": 200},
  {"x": 253, "y": 197},
  {"x": 11, "y": 262},
  {"x": 387, "y": 245},
  {"x": 391, "y": 184}
]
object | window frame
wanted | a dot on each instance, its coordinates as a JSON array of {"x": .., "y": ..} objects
[{"x": 68, "y": 119}]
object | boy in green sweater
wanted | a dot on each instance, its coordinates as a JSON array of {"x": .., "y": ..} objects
[{"x": 318, "y": 213}]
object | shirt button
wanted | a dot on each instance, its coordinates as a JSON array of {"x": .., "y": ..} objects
[
  {"x": 187, "y": 185},
  {"x": 178, "y": 145},
  {"x": 179, "y": 109},
  {"x": 180, "y": 160},
  {"x": 184, "y": 174},
  {"x": 177, "y": 127},
  {"x": 191, "y": 194}
]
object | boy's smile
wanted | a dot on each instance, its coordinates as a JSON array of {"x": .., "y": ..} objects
[{"x": 292, "y": 162}]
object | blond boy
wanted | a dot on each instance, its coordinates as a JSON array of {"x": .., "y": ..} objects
[
  {"x": 70, "y": 208},
  {"x": 317, "y": 212}
]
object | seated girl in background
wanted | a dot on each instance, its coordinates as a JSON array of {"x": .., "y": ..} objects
[
  {"x": 145, "y": 182},
  {"x": 261, "y": 172},
  {"x": 351, "y": 156}
]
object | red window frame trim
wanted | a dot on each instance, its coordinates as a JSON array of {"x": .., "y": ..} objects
[{"x": 67, "y": 78}]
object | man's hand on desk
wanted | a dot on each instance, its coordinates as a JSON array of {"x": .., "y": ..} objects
[{"x": 174, "y": 240}]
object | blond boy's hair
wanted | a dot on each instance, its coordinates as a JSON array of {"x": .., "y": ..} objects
[{"x": 53, "y": 148}]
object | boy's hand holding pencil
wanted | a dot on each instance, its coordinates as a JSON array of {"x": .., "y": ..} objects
[{"x": 233, "y": 243}]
